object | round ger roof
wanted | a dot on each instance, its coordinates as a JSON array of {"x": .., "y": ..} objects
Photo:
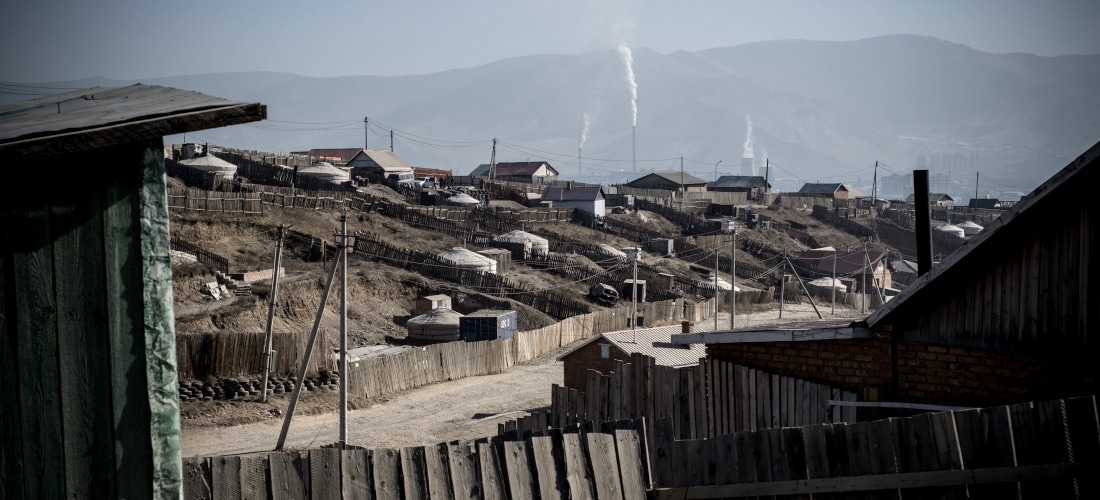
[
  {"x": 722, "y": 284},
  {"x": 610, "y": 250},
  {"x": 324, "y": 170},
  {"x": 437, "y": 317},
  {"x": 952, "y": 230},
  {"x": 463, "y": 199},
  {"x": 518, "y": 236},
  {"x": 467, "y": 258},
  {"x": 210, "y": 164},
  {"x": 970, "y": 228}
]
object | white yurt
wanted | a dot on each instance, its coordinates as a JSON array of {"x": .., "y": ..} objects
[
  {"x": 468, "y": 259},
  {"x": 211, "y": 164},
  {"x": 462, "y": 200},
  {"x": 437, "y": 325},
  {"x": 325, "y": 171},
  {"x": 611, "y": 251},
  {"x": 539, "y": 245},
  {"x": 952, "y": 230},
  {"x": 970, "y": 228}
]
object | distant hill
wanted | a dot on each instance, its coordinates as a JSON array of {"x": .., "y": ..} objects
[{"x": 821, "y": 110}]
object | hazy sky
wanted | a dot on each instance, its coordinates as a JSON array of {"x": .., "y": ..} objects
[{"x": 48, "y": 40}]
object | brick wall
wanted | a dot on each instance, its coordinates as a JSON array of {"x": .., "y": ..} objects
[
  {"x": 587, "y": 358},
  {"x": 849, "y": 364},
  {"x": 925, "y": 373}
]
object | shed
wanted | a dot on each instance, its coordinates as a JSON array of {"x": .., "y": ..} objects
[
  {"x": 429, "y": 302},
  {"x": 502, "y": 257},
  {"x": 754, "y": 186},
  {"x": 437, "y": 325},
  {"x": 530, "y": 172},
  {"x": 90, "y": 399},
  {"x": 601, "y": 351},
  {"x": 488, "y": 324},
  {"x": 538, "y": 244},
  {"x": 468, "y": 259},
  {"x": 669, "y": 181},
  {"x": 835, "y": 191},
  {"x": 584, "y": 198}
]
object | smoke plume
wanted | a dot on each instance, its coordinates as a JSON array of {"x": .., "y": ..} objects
[
  {"x": 628, "y": 66},
  {"x": 748, "y": 138},
  {"x": 584, "y": 129}
]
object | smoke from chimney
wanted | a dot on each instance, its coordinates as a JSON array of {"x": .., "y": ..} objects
[
  {"x": 632, "y": 85},
  {"x": 748, "y": 138}
]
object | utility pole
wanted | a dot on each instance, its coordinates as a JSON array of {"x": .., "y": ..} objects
[
  {"x": 716, "y": 175},
  {"x": 493, "y": 161},
  {"x": 863, "y": 278},
  {"x": 832, "y": 284},
  {"x": 635, "y": 254},
  {"x": 343, "y": 258},
  {"x": 804, "y": 289},
  {"x": 716, "y": 288},
  {"x": 767, "y": 167},
  {"x": 391, "y": 140},
  {"x": 977, "y": 175},
  {"x": 683, "y": 194},
  {"x": 305, "y": 359},
  {"x": 782, "y": 287},
  {"x": 366, "y": 133},
  {"x": 733, "y": 281},
  {"x": 874, "y": 186},
  {"x": 267, "y": 361}
]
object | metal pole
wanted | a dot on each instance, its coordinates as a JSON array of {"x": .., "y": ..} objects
[
  {"x": 782, "y": 289},
  {"x": 634, "y": 296},
  {"x": 716, "y": 175},
  {"x": 733, "y": 281},
  {"x": 716, "y": 288},
  {"x": 922, "y": 221},
  {"x": 863, "y": 278},
  {"x": 804, "y": 289},
  {"x": 305, "y": 359},
  {"x": 343, "y": 256},
  {"x": 832, "y": 284},
  {"x": 366, "y": 132},
  {"x": 271, "y": 312}
]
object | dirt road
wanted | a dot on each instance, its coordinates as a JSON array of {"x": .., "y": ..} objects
[{"x": 460, "y": 409}]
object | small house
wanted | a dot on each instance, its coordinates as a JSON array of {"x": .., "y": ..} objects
[
  {"x": 584, "y": 198},
  {"x": 601, "y": 351},
  {"x": 429, "y": 302},
  {"x": 529, "y": 172},
  {"x": 754, "y": 186},
  {"x": 987, "y": 203},
  {"x": 941, "y": 200},
  {"x": 670, "y": 181},
  {"x": 835, "y": 191},
  {"x": 377, "y": 164}
]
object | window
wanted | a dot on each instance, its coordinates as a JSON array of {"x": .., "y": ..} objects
[{"x": 605, "y": 350}]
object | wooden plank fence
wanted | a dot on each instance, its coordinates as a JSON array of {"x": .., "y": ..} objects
[
  {"x": 590, "y": 465},
  {"x": 215, "y": 261},
  {"x": 1047, "y": 449},
  {"x": 202, "y": 355},
  {"x": 711, "y": 399},
  {"x": 214, "y": 201}
]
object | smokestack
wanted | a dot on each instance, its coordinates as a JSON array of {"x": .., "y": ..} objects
[
  {"x": 922, "y": 221},
  {"x": 634, "y": 147},
  {"x": 747, "y": 166}
]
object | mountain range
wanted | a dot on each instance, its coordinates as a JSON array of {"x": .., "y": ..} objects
[{"x": 819, "y": 111}]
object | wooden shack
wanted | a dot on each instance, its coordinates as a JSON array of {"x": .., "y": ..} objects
[{"x": 87, "y": 338}]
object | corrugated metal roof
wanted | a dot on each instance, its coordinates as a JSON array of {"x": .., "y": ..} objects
[
  {"x": 342, "y": 155},
  {"x": 810, "y": 188},
  {"x": 388, "y": 160},
  {"x": 513, "y": 168},
  {"x": 653, "y": 342},
  {"x": 579, "y": 193},
  {"x": 740, "y": 181},
  {"x": 100, "y": 117},
  {"x": 671, "y": 177}
]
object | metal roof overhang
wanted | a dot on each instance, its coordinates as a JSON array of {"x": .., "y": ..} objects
[{"x": 801, "y": 332}]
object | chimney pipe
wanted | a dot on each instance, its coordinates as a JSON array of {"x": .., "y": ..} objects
[{"x": 922, "y": 215}]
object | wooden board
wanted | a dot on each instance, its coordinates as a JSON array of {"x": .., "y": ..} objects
[
  {"x": 253, "y": 477},
  {"x": 289, "y": 476},
  {"x": 576, "y": 468},
  {"x": 522, "y": 483},
  {"x": 437, "y": 470},
  {"x": 386, "y": 469},
  {"x": 414, "y": 473},
  {"x": 324, "y": 474},
  {"x": 551, "y": 477},
  {"x": 493, "y": 482},
  {"x": 632, "y": 463},
  {"x": 197, "y": 479},
  {"x": 463, "y": 466},
  {"x": 227, "y": 478},
  {"x": 355, "y": 476}
]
